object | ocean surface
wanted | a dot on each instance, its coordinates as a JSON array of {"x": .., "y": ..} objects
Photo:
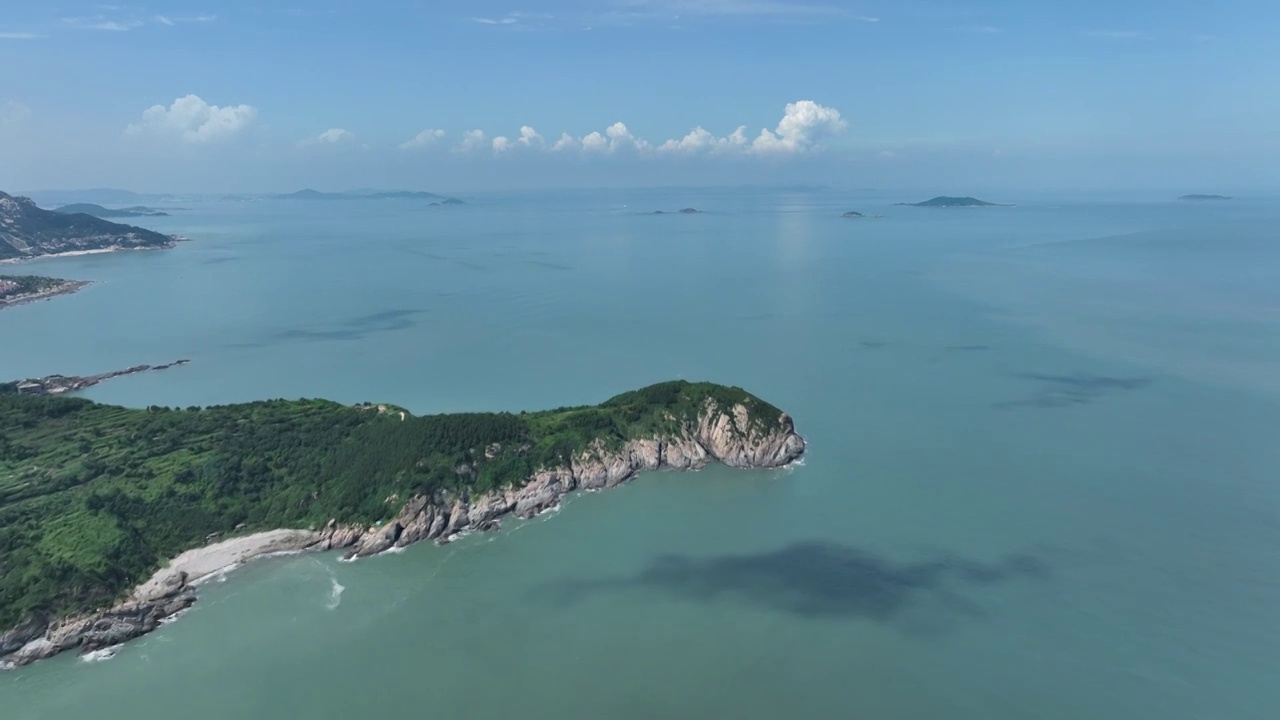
[{"x": 1042, "y": 479}]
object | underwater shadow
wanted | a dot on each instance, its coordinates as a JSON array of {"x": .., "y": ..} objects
[
  {"x": 1058, "y": 391},
  {"x": 355, "y": 328},
  {"x": 822, "y": 579}
]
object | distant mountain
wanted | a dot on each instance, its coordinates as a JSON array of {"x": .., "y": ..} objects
[
  {"x": 945, "y": 201},
  {"x": 309, "y": 194},
  {"x": 108, "y": 196},
  {"x": 1205, "y": 197},
  {"x": 28, "y": 231},
  {"x": 101, "y": 212}
]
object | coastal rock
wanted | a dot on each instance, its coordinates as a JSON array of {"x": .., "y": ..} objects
[
  {"x": 734, "y": 440},
  {"x": 378, "y": 539},
  {"x": 543, "y": 492},
  {"x": 21, "y": 635}
]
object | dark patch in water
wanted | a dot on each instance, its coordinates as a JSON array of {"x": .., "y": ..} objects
[
  {"x": 1058, "y": 391},
  {"x": 356, "y": 328},
  {"x": 219, "y": 260},
  {"x": 872, "y": 344},
  {"x": 967, "y": 348},
  {"x": 548, "y": 265},
  {"x": 823, "y": 579}
]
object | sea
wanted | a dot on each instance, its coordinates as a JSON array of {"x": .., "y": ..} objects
[{"x": 1043, "y": 477}]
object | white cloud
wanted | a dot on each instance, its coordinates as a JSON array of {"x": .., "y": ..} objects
[
  {"x": 423, "y": 139},
  {"x": 566, "y": 142},
  {"x": 472, "y": 140},
  {"x": 804, "y": 124},
  {"x": 163, "y": 20},
  {"x": 100, "y": 22},
  {"x": 803, "y": 127},
  {"x": 700, "y": 140},
  {"x": 20, "y": 36},
  {"x": 332, "y": 136},
  {"x": 193, "y": 120},
  {"x": 594, "y": 142},
  {"x": 886, "y": 153},
  {"x": 529, "y": 137}
]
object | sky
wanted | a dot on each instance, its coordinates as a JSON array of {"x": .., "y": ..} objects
[{"x": 952, "y": 96}]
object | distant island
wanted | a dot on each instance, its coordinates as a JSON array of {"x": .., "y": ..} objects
[
  {"x": 102, "y": 212},
  {"x": 96, "y": 499},
  {"x": 309, "y": 194},
  {"x": 852, "y": 214},
  {"x": 28, "y": 231},
  {"x": 17, "y": 289},
  {"x": 1205, "y": 197},
  {"x": 946, "y": 201},
  {"x": 681, "y": 211}
]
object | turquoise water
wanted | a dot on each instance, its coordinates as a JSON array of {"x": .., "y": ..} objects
[{"x": 1041, "y": 482}]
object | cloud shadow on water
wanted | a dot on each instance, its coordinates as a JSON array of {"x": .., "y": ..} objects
[
  {"x": 355, "y": 328},
  {"x": 1058, "y": 391},
  {"x": 826, "y": 580}
]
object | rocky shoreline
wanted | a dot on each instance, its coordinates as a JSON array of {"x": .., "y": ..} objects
[
  {"x": 66, "y": 288},
  {"x": 57, "y": 384},
  {"x": 716, "y": 437}
]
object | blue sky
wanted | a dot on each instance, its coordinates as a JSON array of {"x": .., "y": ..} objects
[{"x": 232, "y": 96}]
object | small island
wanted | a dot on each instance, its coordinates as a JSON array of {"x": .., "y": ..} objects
[
  {"x": 1205, "y": 197},
  {"x": 681, "y": 211},
  {"x": 109, "y": 515},
  {"x": 946, "y": 201},
  {"x": 17, "y": 289},
  {"x": 28, "y": 231},
  {"x": 309, "y": 194},
  {"x": 101, "y": 212},
  {"x": 852, "y": 214}
]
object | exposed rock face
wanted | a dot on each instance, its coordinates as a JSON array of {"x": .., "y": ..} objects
[
  {"x": 726, "y": 435},
  {"x": 729, "y": 436}
]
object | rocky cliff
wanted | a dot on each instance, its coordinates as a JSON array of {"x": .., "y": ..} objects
[{"x": 728, "y": 435}]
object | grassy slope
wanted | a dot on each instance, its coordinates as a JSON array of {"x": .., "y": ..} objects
[{"x": 94, "y": 497}]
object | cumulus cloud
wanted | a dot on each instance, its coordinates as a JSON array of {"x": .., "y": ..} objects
[
  {"x": 700, "y": 139},
  {"x": 803, "y": 127},
  {"x": 529, "y": 137},
  {"x": 426, "y": 138},
  {"x": 332, "y": 136},
  {"x": 472, "y": 140},
  {"x": 192, "y": 120},
  {"x": 804, "y": 124},
  {"x": 594, "y": 142}
]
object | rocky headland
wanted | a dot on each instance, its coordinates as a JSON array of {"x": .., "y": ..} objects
[
  {"x": 716, "y": 433},
  {"x": 28, "y": 231}
]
